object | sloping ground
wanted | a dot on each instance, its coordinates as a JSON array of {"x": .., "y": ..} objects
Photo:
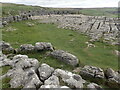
[
  {"x": 14, "y": 9},
  {"x": 102, "y": 55}
]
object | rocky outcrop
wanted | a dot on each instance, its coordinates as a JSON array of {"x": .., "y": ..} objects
[
  {"x": 45, "y": 71},
  {"x": 23, "y": 72},
  {"x": 65, "y": 57},
  {"x": 53, "y": 80},
  {"x": 94, "y": 86},
  {"x": 26, "y": 48},
  {"x": 72, "y": 80},
  {"x": 27, "y": 73},
  {"x": 93, "y": 73},
  {"x": 96, "y": 27},
  {"x": 39, "y": 46},
  {"x": 6, "y": 46},
  {"x": 113, "y": 77}
]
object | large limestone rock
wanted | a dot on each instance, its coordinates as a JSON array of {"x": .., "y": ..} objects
[
  {"x": 23, "y": 72},
  {"x": 6, "y": 46},
  {"x": 94, "y": 86},
  {"x": 113, "y": 78},
  {"x": 92, "y": 72},
  {"x": 45, "y": 71},
  {"x": 65, "y": 57},
  {"x": 53, "y": 80},
  {"x": 26, "y": 48},
  {"x": 72, "y": 80},
  {"x": 27, "y": 79},
  {"x": 40, "y": 46}
]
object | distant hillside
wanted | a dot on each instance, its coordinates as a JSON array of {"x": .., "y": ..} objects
[{"x": 14, "y": 9}]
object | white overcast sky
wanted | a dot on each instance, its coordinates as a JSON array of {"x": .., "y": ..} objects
[{"x": 67, "y": 3}]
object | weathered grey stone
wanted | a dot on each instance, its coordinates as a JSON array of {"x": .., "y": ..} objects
[
  {"x": 39, "y": 46},
  {"x": 45, "y": 71},
  {"x": 92, "y": 72},
  {"x": 26, "y": 48},
  {"x": 22, "y": 61},
  {"x": 94, "y": 86},
  {"x": 53, "y": 80},
  {"x": 27, "y": 78},
  {"x": 49, "y": 86},
  {"x": 54, "y": 87},
  {"x": 110, "y": 73},
  {"x": 32, "y": 81},
  {"x": 65, "y": 57},
  {"x": 17, "y": 78},
  {"x": 72, "y": 80},
  {"x": 6, "y": 46},
  {"x": 4, "y": 23},
  {"x": 113, "y": 78}
]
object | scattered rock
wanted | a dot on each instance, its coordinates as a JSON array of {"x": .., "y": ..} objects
[
  {"x": 39, "y": 46},
  {"x": 6, "y": 46},
  {"x": 113, "y": 78},
  {"x": 72, "y": 80},
  {"x": 94, "y": 86},
  {"x": 92, "y": 72},
  {"x": 53, "y": 80},
  {"x": 26, "y": 48},
  {"x": 45, "y": 71},
  {"x": 65, "y": 57}
]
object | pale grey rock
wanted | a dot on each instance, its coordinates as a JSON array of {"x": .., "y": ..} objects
[
  {"x": 49, "y": 86},
  {"x": 94, "y": 86},
  {"x": 65, "y": 57},
  {"x": 22, "y": 61},
  {"x": 72, "y": 80},
  {"x": 26, "y": 48},
  {"x": 113, "y": 78},
  {"x": 92, "y": 72},
  {"x": 39, "y": 46},
  {"x": 45, "y": 71},
  {"x": 53, "y": 80},
  {"x": 6, "y": 46}
]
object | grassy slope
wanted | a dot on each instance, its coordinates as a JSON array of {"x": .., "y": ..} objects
[
  {"x": 13, "y": 9},
  {"x": 101, "y": 56}
]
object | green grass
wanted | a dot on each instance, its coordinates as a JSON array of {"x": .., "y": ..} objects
[
  {"x": 14, "y": 9},
  {"x": 100, "y": 56},
  {"x": 4, "y": 69},
  {"x": 4, "y": 83},
  {"x": 109, "y": 12}
]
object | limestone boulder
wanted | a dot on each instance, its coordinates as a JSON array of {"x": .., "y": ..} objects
[
  {"x": 26, "y": 48},
  {"x": 113, "y": 78},
  {"x": 93, "y": 73},
  {"x": 6, "y": 46},
  {"x": 94, "y": 86},
  {"x": 53, "y": 80},
  {"x": 40, "y": 46},
  {"x": 65, "y": 57},
  {"x": 72, "y": 80},
  {"x": 45, "y": 71}
]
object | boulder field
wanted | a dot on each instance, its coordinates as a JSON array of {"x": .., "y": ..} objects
[{"x": 29, "y": 73}]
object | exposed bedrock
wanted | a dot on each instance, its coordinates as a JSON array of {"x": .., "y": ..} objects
[
  {"x": 97, "y": 27},
  {"x": 65, "y": 57},
  {"x": 26, "y": 72}
]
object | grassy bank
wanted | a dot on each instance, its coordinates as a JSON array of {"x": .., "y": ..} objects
[{"x": 101, "y": 56}]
